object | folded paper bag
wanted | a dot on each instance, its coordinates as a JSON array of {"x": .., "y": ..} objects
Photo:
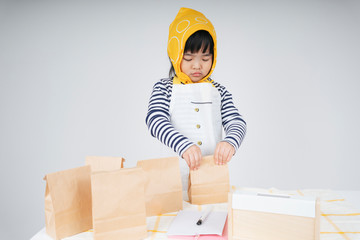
[
  {"x": 119, "y": 204},
  {"x": 104, "y": 163},
  {"x": 68, "y": 202},
  {"x": 163, "y": 188},
  {"x": 210, "y": 183}
]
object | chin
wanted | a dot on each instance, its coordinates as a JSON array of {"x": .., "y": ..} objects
[{"x": 195, "y": 80}]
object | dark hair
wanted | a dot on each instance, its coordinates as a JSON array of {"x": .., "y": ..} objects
[{"x": 199, "y": 40}]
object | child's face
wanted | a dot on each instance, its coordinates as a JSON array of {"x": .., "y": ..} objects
[{"x": 196, "y": 65}]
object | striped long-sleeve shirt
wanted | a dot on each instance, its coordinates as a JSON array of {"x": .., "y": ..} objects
[{"x": 159, "y": 125}]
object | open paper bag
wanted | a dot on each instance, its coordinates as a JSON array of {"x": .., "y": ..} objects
[
  {"x": 68, "y": 202},
  {"x": 163, "y": 189},
  {"x": 210, "y": 183},
  {"x": 104, "y": 163},
  {"x": 119, "y": 204}
]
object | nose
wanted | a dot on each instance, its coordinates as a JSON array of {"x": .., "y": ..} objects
[{"x": 196, "y": 64}]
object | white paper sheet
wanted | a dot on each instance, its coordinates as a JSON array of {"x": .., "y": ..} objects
[{"x": 184, "y": 224}]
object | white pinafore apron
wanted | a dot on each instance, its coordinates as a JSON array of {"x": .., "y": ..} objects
[{"x": 195, "y": 111}]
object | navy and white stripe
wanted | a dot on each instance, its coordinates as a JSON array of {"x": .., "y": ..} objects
[
  {"x": 233, "y": 123},
  {"x": 158, "y": 118}
]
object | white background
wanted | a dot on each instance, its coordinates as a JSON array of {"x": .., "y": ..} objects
[{"x": 75, "y": 79}]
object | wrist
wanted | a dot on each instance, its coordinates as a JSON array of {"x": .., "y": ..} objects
[{"x": 186, "y": 148}]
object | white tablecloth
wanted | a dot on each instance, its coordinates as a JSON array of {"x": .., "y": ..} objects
[{"x": 340, "y": 216}]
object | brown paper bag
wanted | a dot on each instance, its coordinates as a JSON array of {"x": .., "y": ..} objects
[
  {"x": 119, "y": 204},
  {"x": 68, "y": 202},
  {"x": 102, "y": 163},
  {"x": 163, "y": 188},
  {"x": 210, "y": 183}
]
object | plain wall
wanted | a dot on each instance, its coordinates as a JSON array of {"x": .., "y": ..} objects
[{"x": 76, "y": 76}]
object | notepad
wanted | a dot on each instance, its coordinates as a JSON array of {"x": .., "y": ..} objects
[{"x": 184, "y": 224}]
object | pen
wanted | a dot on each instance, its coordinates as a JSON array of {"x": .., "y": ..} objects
[{"x": 205, "y": 215}]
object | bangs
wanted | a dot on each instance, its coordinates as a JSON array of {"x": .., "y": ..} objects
[{"x": 200, "y": 40}]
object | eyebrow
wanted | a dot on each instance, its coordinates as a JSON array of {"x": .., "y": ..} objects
[{"x": 192, "y": 54}]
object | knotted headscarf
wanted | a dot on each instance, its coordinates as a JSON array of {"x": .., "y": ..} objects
[{"x": 187, "y": 22}]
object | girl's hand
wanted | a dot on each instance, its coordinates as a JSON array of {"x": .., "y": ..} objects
[
  {"x": 223, "y": 153},
  {"x": 192, "y": 157}
]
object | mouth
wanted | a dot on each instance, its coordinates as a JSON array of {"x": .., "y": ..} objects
[{"x": 196, "y": 74}]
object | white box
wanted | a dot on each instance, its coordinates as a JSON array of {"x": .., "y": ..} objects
[{"x": 259, "y": 216}]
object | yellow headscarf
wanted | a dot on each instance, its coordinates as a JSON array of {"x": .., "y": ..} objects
[{"x": 187, "y": 22}]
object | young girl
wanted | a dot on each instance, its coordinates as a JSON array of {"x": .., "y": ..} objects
[{"x": 188, "y": 110}]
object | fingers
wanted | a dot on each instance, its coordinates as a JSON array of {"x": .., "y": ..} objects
[
  {"x": 216, "y": 154},
  {"x": 193, "y": 161},
  {"x": 223, "y": 153},
  {"x": 193, "y": 157},
  {"x": 228, "y": 156},
  {"x": 196, "y": 160}
]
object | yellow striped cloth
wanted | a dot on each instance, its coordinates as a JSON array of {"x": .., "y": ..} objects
[{"x": 339, "y": 220}]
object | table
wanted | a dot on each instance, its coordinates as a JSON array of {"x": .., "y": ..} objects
[{"x": 340, "y": 218}]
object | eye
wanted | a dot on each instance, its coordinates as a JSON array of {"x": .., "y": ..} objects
[
  {"x": 187, "y": 59},
  {"x": 206, "y": 59}
]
